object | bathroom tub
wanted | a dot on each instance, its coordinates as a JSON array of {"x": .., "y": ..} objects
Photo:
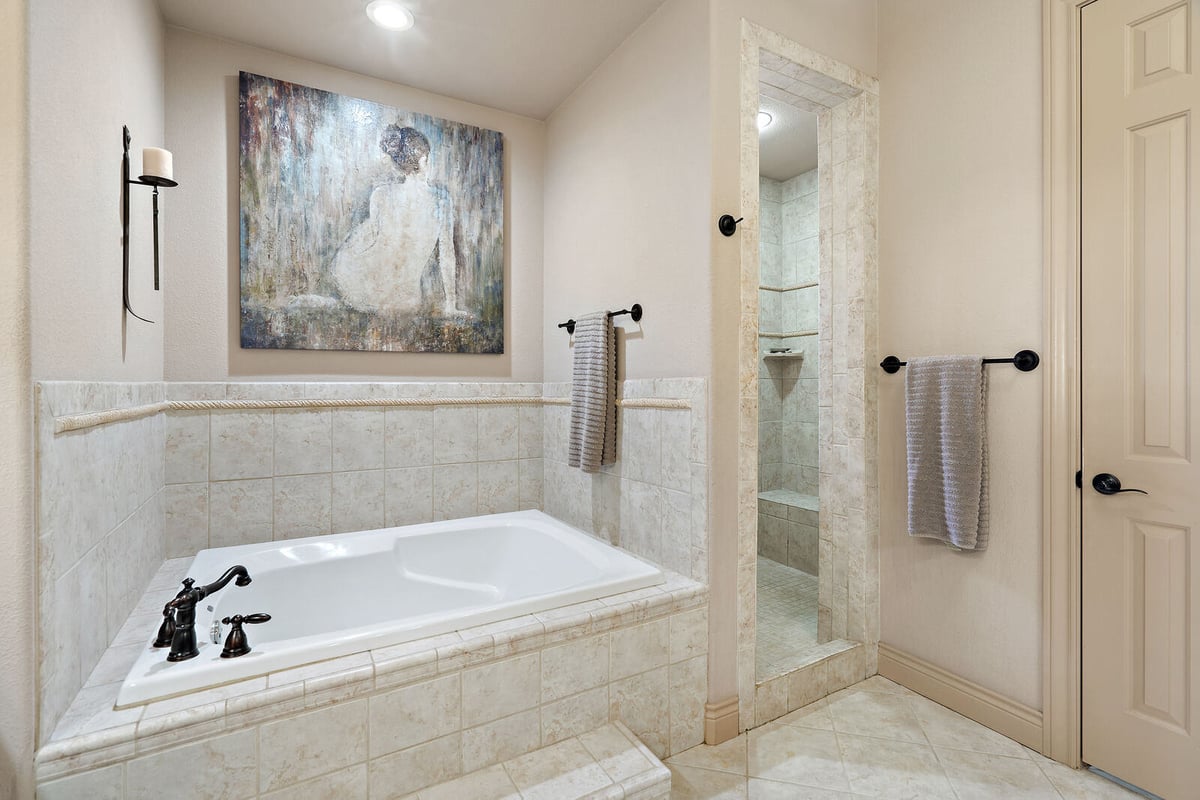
[{"x": 331, "y": 596}]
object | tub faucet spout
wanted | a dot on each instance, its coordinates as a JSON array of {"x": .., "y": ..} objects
[{"x": 183, "y": 639}]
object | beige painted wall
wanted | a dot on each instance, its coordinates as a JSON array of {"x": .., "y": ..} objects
[
  {"x": 201, "y": 269},
  {"x": 96, "y": 66},
  {"x": 960, "y": 272},
  {"x": 16, "y": 457},
  {"x": 627, "y": 200},
  {"x": 844, "y": 30}
]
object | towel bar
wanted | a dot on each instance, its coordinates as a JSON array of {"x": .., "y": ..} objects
[
  {"x": 1024, "y": 360},
  {"x": 634, "y": 312}
]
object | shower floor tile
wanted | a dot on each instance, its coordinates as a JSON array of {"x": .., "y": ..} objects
[{"x": 787, "y": 618}]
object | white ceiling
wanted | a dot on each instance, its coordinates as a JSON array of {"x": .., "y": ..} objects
[
  {"x": 789, "y": 146},
  {"x": 523, "y": 56}
]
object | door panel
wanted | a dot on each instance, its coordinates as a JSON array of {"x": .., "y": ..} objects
[{"x": 1141, "y": 574}]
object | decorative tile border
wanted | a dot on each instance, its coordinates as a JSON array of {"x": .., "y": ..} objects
[{"x": 639, "y": 657}]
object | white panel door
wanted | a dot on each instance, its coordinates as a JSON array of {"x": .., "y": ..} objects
[{"x": 1141, "y": 367}]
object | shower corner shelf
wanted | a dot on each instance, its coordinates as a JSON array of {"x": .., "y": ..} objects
[{"x": 784, "y": 356}]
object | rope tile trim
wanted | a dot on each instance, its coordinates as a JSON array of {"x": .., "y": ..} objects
[{"x": 75, "y": 422}]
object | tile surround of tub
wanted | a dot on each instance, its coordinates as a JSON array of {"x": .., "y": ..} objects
[
  {"x": 244, "y": 476},
  {"x": 406, "y": 717},
  {"x": 654, "y": 500},
  {"x": 846, "y": 103},
  {"x": 100, "y": 524}
]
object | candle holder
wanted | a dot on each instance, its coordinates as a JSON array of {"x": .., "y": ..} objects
[{"x": 155, "y": 182}]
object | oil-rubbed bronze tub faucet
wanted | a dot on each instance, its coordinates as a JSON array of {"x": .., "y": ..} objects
[{"x": 183, "y": 639}]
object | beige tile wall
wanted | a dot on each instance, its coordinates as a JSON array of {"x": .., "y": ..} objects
[
  {"x": 428, "y": 721},
  {"x": 100, "y": 523},
  {"x": 238, "y": 477},
  {"x": 654, "y": 500}
]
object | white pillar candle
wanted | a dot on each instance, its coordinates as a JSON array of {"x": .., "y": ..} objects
[{"x": 157, "y": 162}]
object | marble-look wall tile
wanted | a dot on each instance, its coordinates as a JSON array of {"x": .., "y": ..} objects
[
  {"x": 358, "y": 501},
  {"x": 409, "y": 437},
  {"x": 240, "y": 512},
  {"x": 408, "y": 495},
  {"x": 358, "y": 438},
  {"x": 642, "y": 702},
  {"x": 577, "y": 714},
  {"x": 399, "y": 774},
  {"x": 498, "y": 487},
  {"x": 493, "y": 742},
  {"x": 212, "y": 769},
  {"x": 497, "y": 690},
  {"x": 186, "y": 519},
  {"x": 415, "y": 714},
  {"x": 241, "y": 445},
  {"x": 303, "y": 441},
  {"x": 187, "y": 446},
  {"x": 455, "y": 490},
  {"x": 455, "y": 435},
  {"x": 577, "y": 665},
  {"x": 303, "y": 506},
  {"x": 301, "y": 747}
]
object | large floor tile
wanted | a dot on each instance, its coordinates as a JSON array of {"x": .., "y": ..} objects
[
  {"x": 690, "y": 783},
  {"x": 774, "y": 790},
  {"x": 728, "y": 756},
  {"x": 893, "y": 769},
  {"x": 982, "y": 776},
  {"x": 815, "y": 715},
  {"x": 793, "y": 754},
  {"x": 886, "y": 716},
  {"x": 945, "y": 728},
  {"x": 1078, "y": 784}
]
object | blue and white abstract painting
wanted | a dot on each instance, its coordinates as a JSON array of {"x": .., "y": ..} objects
[{"x": 364, "y": 227}]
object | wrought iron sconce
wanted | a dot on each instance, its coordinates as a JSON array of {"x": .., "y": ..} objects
[{"x": 157, "y": 164}]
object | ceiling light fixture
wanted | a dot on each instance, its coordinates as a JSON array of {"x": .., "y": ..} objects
[
  {"x": 390, "y": 15},
  {"x": 764, "y": 120}
]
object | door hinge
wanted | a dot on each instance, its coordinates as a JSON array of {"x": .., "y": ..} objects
[{"x": 1078, "y": 479}]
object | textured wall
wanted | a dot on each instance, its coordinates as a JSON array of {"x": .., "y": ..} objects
[
  {"x": 627, "y": 200},
  {"x": 202, "y": 342},
  {"x": 17, "y": 578},
  {"x": 95, "y": 66},
  {"x": 961, "y": 272}
]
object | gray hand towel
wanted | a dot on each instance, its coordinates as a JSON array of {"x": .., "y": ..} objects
[
  {"x": 593, "y": 436},
  {"x": 945, "y": 405}
]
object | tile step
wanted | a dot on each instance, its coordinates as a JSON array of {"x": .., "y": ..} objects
[{"x": 608, "y": 763}]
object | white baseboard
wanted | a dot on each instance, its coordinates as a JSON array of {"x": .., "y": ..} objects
[{"x": 1002, "y": 714}]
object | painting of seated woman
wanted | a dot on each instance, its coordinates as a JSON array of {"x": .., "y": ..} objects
[{"x": 365, "y": 227}]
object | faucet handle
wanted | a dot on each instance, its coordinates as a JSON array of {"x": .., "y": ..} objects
[{"x": 236, "y": 643}]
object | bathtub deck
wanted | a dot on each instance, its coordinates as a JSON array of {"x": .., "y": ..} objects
[{"x": 92, "y": 734}]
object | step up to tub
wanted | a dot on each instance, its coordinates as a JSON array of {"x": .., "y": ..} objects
[{"x": 609, "y": 763}]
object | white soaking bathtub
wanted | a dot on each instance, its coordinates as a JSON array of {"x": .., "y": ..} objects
[{"x": 331, "y": 596}]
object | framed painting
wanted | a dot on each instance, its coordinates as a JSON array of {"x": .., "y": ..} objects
[{"x": 365, "y": 227}]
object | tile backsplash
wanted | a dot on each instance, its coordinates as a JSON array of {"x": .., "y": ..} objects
[{"x": 243, "y": 476}]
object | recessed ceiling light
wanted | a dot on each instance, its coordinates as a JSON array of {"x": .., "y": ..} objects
[
  {"x": 764, "y": 119},
  {"x": 390, "y": 15}
]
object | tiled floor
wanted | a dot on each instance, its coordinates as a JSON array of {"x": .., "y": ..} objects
[
  {"x": 877, "y": 739},
  {"x": 787, "y": 618}
]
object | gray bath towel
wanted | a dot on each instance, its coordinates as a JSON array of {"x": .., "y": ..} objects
[
  {"x": 593, "y": 436},
  {"x": 945, "y": 405}
]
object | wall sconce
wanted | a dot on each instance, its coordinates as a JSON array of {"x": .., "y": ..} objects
[{"x": 156, "y": 164}]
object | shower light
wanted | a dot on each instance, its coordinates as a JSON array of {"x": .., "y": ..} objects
[
  {"x": 764, "y": 120},
  {"x": 390, "y": 15}
]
